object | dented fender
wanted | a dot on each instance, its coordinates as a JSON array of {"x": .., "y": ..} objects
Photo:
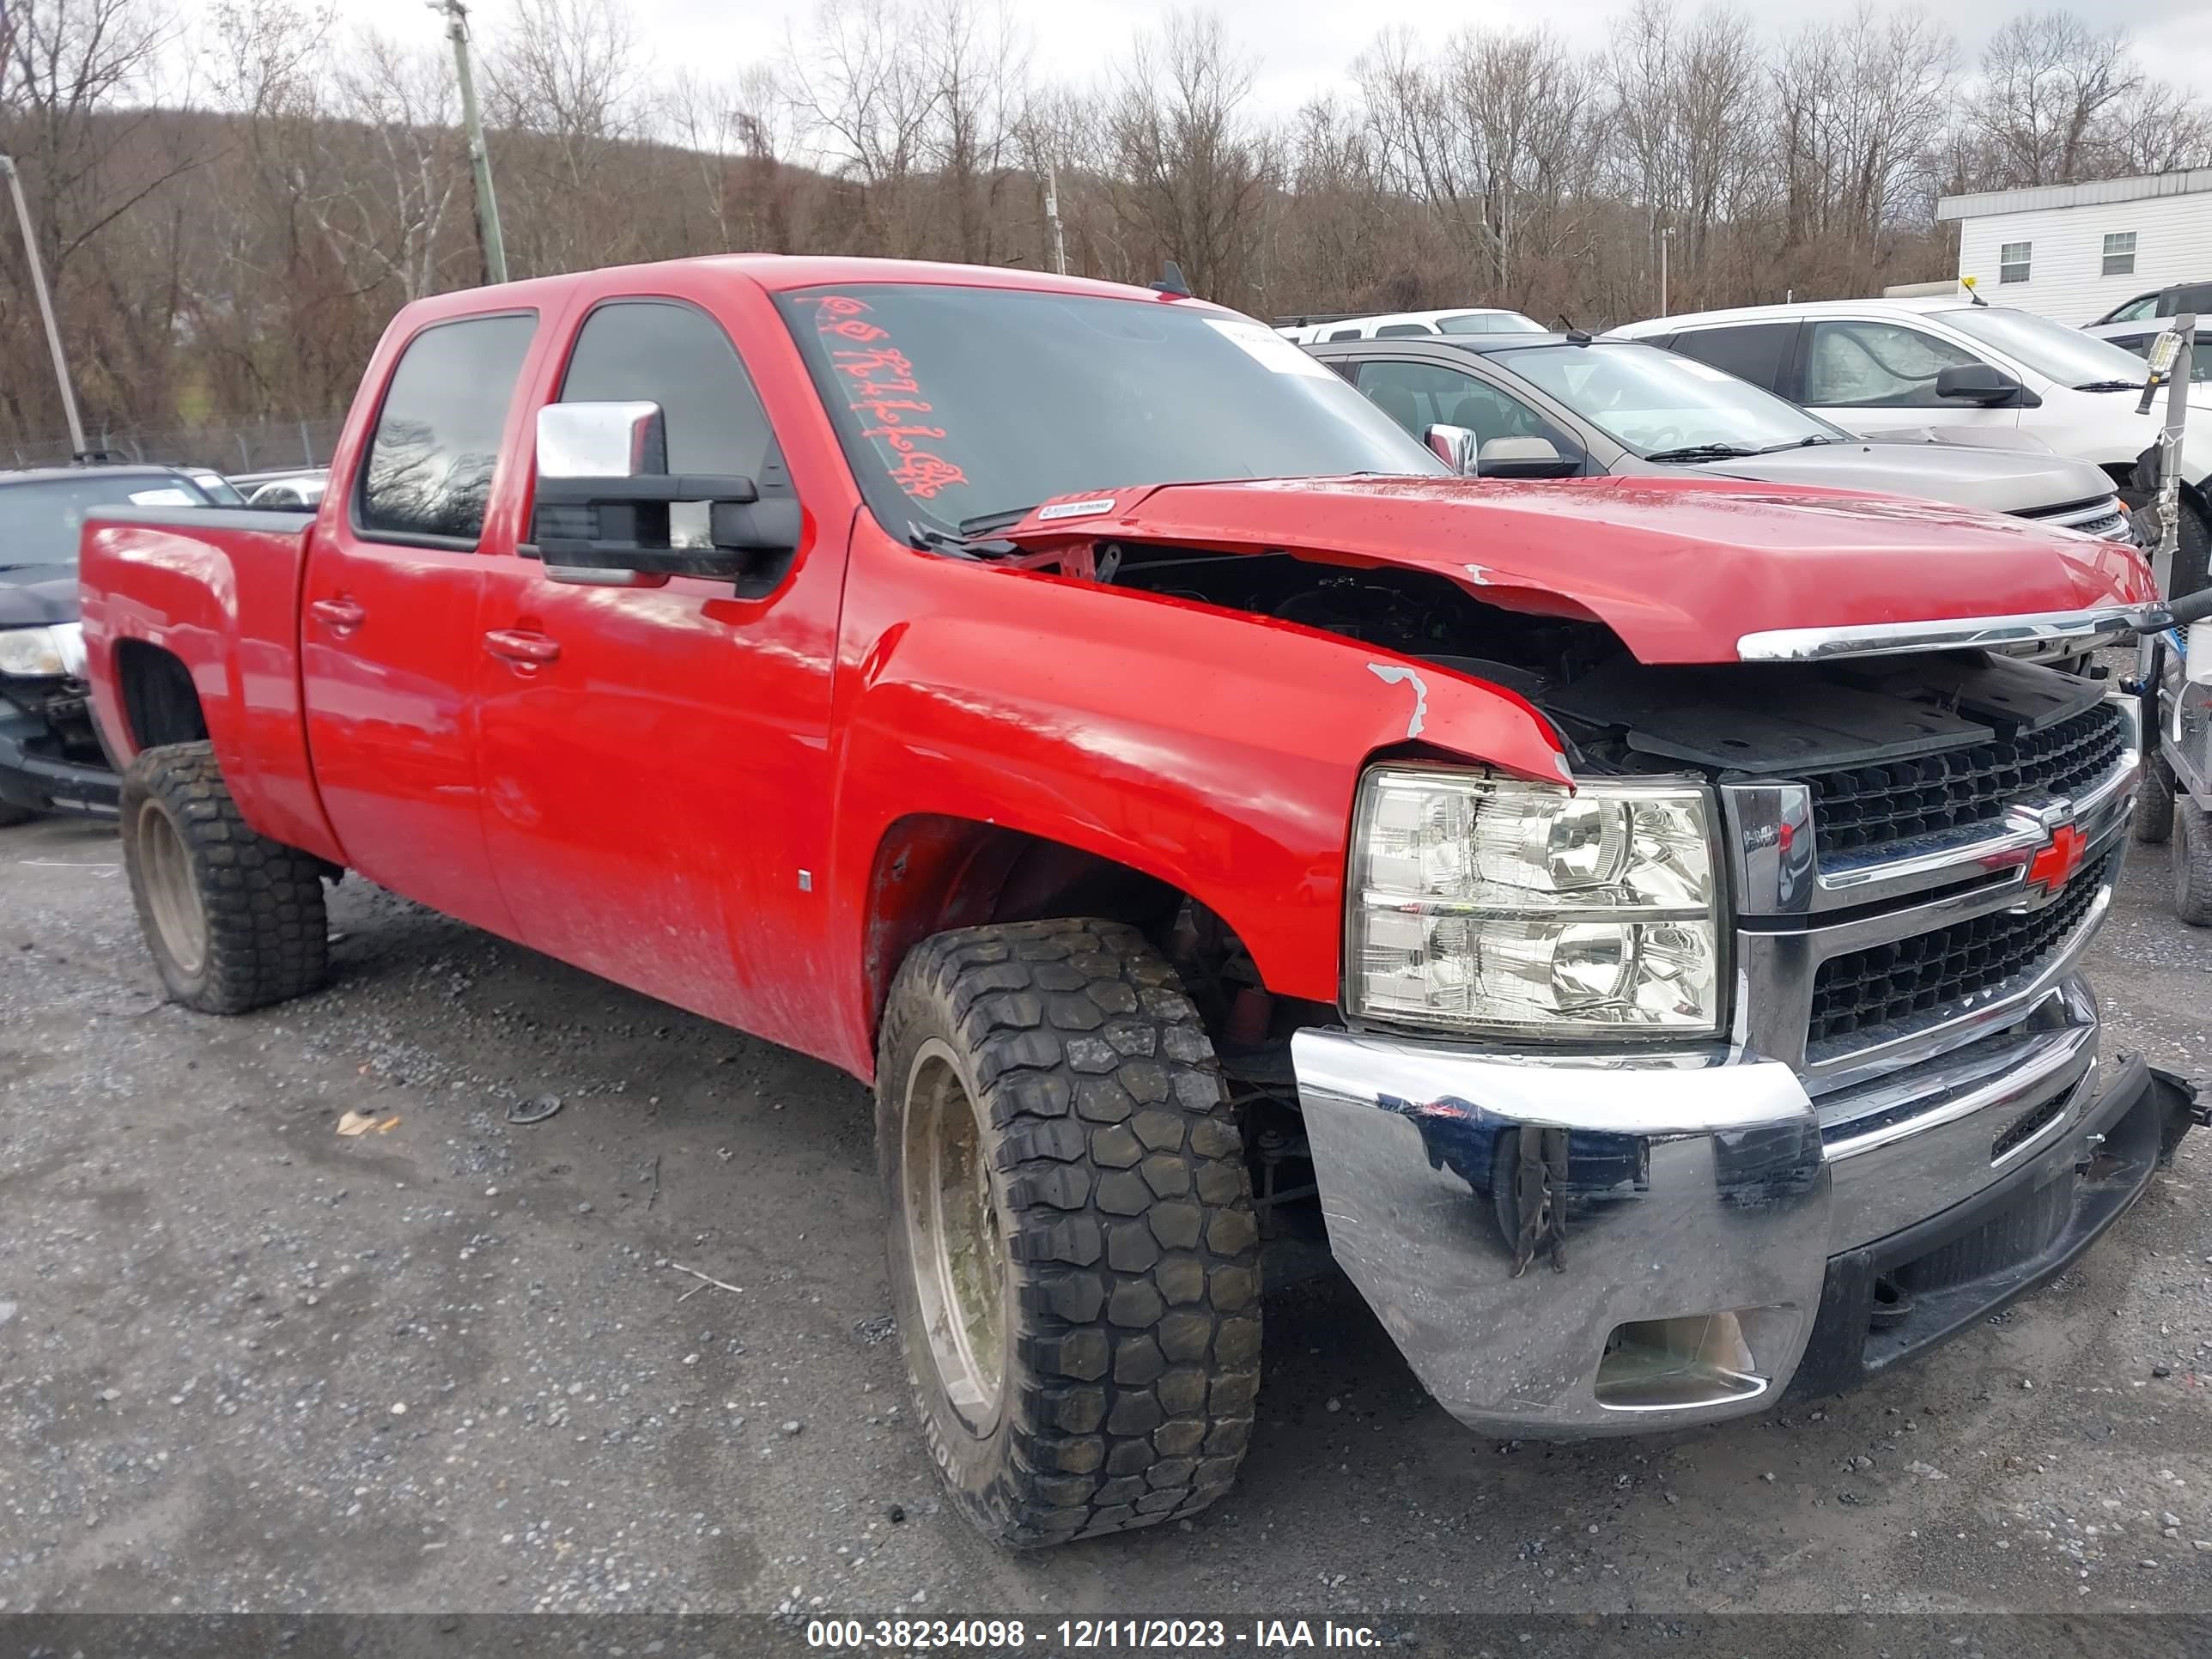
[{"x": 1217, "y": 751}]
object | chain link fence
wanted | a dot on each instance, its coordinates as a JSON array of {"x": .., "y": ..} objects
[{"x": 255, "y": 446}]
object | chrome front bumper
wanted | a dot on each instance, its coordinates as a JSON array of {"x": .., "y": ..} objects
[
  {"x": 1706, "y": 1194},
  {"x": 1695, "y": 1191}
]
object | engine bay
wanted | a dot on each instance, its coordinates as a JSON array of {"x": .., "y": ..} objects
[{"x": 1618, "y": 715}]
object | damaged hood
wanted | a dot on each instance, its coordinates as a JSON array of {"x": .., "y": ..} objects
[{"x": 1680, "y": 569}]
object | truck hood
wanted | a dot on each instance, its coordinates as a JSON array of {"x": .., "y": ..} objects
[
  {"x": 1990, "y": 480},
  {"x": 1680, "y": 569},
  {"x": 38, "y": 595}
]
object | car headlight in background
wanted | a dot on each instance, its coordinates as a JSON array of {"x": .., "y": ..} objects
[
  {"x": 43, "y": 653},
  {"x": 1485, "y": 904}
]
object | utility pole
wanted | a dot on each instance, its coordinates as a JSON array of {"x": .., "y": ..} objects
[
  {"x": 489, "y": 240},
  {"x": 1666, "y": 240},
  {"x": 45, "y": 307},
  {"x": 1051, "y": 217}
]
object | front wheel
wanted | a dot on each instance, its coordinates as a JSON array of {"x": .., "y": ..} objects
[
  {"x": 1073, "y": 1257},
  {"x": 2153, "y": 807},
  {"x": 234, "y": 920}
]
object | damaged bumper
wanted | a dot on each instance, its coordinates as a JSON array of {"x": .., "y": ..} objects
[
  {"x": 1593, "y": 1246},
  {"x": 38, "y": 767}
]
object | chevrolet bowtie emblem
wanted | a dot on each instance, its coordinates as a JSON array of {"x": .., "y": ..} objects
[{"x": 2054, "y": 863}]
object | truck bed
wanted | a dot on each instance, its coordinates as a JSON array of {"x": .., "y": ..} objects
[{"x": 217, "y": 590}]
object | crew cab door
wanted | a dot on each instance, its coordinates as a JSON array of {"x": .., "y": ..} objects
[
  {"x": 653, "y": 755},
  {"x": 388, "y": 647}
]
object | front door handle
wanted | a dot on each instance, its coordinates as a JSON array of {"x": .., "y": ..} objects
[
  {"x": 515, "y": 645},
  {"x": 339, "y": 616}
]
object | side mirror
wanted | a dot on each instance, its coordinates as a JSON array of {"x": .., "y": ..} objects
[
  {"x": 610, "y": 514},
  {"x": 1452, "y": 445},
  {"x": 1979, "y": 383},
  {"x": 1523, "y": 458}
]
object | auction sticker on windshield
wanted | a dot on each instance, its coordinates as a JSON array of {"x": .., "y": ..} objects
[{"x": 1267, "y": 348}]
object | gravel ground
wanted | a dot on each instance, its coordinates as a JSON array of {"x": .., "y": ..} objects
[{"x": 248, "y": 1364}]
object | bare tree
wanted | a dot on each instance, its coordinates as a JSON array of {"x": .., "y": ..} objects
[
  {"x": 1193, "y": 171},
  {"x": 2050, "y": 84},
  {"x": 570, "y": 74},
  {"x": 864, "y": 99}
]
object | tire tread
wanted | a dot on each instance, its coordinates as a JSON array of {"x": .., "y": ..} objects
[
  {"x": 1108, "y": 1099},
  {"x": 268, "y": 932}
]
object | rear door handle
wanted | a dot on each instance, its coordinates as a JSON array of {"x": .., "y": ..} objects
[
  {"x": 339, "y": 616},
  {"x": 515, "y": 645}
]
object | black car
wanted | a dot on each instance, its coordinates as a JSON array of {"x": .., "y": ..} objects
[{"x": 50, "y": 758}]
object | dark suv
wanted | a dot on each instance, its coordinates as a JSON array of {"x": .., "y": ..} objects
[{"x": 50, "y": 758}]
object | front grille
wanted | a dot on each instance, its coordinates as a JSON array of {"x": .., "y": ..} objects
[
  {"x": 2104, "y": 517},
  {"x": 1886, "y": 984},
  {"x": 1868, "y": 808}
]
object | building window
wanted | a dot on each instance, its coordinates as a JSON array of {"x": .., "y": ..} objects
[
  {"x": 2012, "y": 261},
  {"x": 2120, "y": 253}
]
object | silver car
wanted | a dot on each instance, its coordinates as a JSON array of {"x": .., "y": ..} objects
[{"x": 1567, "y": 405}]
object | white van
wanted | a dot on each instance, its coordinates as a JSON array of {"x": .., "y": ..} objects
[
  {"x": 1877, "y": 366},
  {"x": 1396, "y": 324}
]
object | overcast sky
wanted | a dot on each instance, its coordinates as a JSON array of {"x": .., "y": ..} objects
[{"x": 1302, "y": 46}]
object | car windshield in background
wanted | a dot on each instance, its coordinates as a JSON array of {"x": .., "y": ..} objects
[
  {"x": 2062, "y": 353},
  {"x": 39, "y": 520},
  {"x": 1658, "y": 403},
  {"x": 2139, "y": 345},
  {"x": 1489, "y": 322},
  {"x": 955, "y": 404}
]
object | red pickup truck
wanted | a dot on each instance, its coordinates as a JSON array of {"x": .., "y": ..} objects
[{"x": 1634, "y": 925}]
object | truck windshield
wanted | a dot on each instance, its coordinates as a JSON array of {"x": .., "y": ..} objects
[
  {"x": 39, "y": 520},
  {"x": 1661, "y": 405},
  {"x": 959, "y": 404}
]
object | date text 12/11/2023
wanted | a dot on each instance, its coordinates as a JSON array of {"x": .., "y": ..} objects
[{"x": 1085, "y": 1635}]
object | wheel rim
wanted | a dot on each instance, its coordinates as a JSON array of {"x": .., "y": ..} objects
[
  {"x": 955, "y": 1236},
  {"x": 165, "y": 875}
]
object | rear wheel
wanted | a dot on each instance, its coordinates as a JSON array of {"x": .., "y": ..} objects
[
  {"x": 2192, "y": 863},
  {"x": 234, "y": 920},
  {"x": 1073, "y": 1252},
  {"x": 11, "y": 814}
]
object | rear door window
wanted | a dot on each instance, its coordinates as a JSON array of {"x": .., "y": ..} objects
[
  {"x": 1757, "y": 352},
  {"x": 436, "y": 443}
]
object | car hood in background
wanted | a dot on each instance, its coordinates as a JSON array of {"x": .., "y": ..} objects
[
  {"x": 1679, "y": 568},
  {"x": 1969, "y": 437},
  {"x": 1990, "y": 480},
  {"x": 38, "y": 595}
]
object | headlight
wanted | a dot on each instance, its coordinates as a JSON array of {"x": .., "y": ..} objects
[
  {"x": 41, "y": 652},
  {"x": 1485, "y": 904}
]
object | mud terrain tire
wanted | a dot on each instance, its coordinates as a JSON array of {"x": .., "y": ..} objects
[
  {"x": 234, "y": 920},
  {"x": 1045, "y": 1091}
]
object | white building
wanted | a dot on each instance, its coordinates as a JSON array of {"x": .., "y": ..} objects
[{"x": 2072, "y": 252}]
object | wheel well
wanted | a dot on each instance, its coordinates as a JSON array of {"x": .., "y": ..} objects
[
  {"x": 159, "y": 699},
  {"x": 934, "y": 872}
]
